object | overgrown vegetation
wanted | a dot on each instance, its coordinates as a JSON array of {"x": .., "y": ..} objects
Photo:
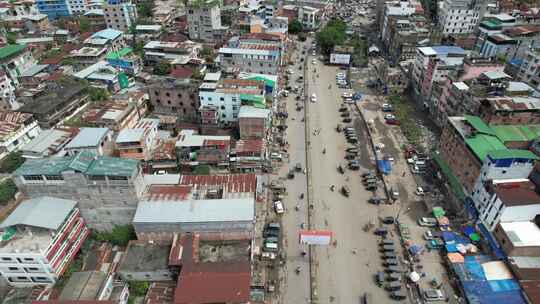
[
  {"x": 202, "y": 170},
  {"x": 145, "y": 9},
  {"x": 331, "y": 35},
  {"x": 7, "y": 191},
  {"x": 84, "y": 24},
  {"x": 162, "y": 68},
  {"x": 11, "y": 162},
  {"x": 97, "y": 94},
  {"x": 137, "y": 289},
  {"x": 360, "y": 55},
  {"x": 120, "y": 235},
  {"x": 403, "y": 109},
  {"x": 295, "y": 27},
  {"x": 208, "y": 54}
]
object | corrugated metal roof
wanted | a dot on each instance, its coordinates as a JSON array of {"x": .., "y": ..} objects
[
  {"x": 43, "y": 212},
  {"x": 196, "y": 211},
  {"x": 109, "y": 34},
  {"x": 249, "y": 111},
  {"x": 130, "y": 135},
  {"x": 88, "y": 137},
  {"x": 47, "y": 139}
]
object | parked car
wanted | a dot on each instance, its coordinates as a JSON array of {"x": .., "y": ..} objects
[
  {"x": 433, "y": 295},
  {"x": 379, "y": 278},
  {"x": 270, "y": 247},
  {"x": 389, "y": 116},
  {"x": 427, "y": 222},
  {"x": 345, "y": 114},
  {"x": 435, "y": 244},
  {"x": 298, "y": 167},
  {"x": 365, "y": 174},
  {"x": 394, "y": 277},
  {"x": 397, "y": 295},
  {"x": 353, "y": 165},
  {"x": 388, "y": 220},
  {"x": 393, "y": 286},
  {"x": 374, "y": 200},
  {"x": 382, "y": 231},
  {"x": 390, "y": 262},
  {"x": 386, "y": 107},
  {"x": 346, "y": 120},
  {"x": 278, "y": 206},
  {"x": 371, "y": 187},
  {"x": 350, "y": 156},
  {"x": 343, "y": 109},
  {"x": 392, "y": 122},
  {"x": 313, "y": 97},
  {"x": 429, "y": 235},
  {"x": 352, "y": 150}
]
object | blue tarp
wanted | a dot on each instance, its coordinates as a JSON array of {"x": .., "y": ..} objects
[
  {"x": 468, "y": 230},
  {"x": 448, "y": 237},
  {"x": 459, "y": 239},
  {"x": 451, "y": 248},
  {"x": 492, "y": 243},
  {"x": 478, "y": 290},
  {"x": 357, "y": 96},
  {"x": 415, "y": 249},
  {"x": 385, "y": 166}
]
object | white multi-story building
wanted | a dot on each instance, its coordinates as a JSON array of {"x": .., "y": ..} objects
[
  {"x": 460, "y": 16},
  {"x": 119, "y": 14},
  {"x": 228, "y": 95},
  {"x": 16, "y": 129},
  {"x": 310, "y": 17},
  {"x": 502, "y": 191},
  {"x": 7, "y": 93},
  {"x": 39, "y": 240},
  {"x": 204, "y": 20},
  {"x": 251, "y": 60},
  {"x": 529, "y": 71}
]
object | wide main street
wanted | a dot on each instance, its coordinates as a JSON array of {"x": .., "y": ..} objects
[{"x": 345, "y": 270}]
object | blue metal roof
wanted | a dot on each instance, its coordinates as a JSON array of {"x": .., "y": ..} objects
[
  {"x": 107, "y": 34},
  {"x": 442, "y": 49}
]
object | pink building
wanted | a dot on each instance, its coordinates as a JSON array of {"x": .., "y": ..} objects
[{"x": 40, "y": 238}]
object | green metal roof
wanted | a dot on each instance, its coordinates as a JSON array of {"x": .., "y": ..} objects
[
  {"x": 267, "y": 81},
  {"x": 512, "y": 153},
  {"x": 253, "y": 99},
  {"x": 119, "y": 54},
  {"x": 85, "y": 162},
  {"x": 478, "y": 124},
  {"x": 481, "y": 144},
  {"x": 493, "y": 24},
  {"x": 516, "y": 132},
  {"x": 455, "y": 186},
  {"x": 11, "y": 49}
]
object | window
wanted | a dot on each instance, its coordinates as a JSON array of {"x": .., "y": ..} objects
[
  {"x": 179, "y": 95},
  {"x": 156, "y": 92},
  {"x": 168, "y": 94},
  {"x": 54, "y": 177},
  {"x": 13, "y": 268},
  {"x": 96, "y": 177},
  {"x": 222, "y": 107},
  {"x": 33, "y": 177},
  {"x": 118, "y": 178},
  {"x": 222, "y": 98}
]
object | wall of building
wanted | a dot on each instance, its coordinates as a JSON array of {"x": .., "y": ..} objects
[
  {"x": 203, "y": 22},
  {"x": 147, "y": 276},
  {"x": 103, "y": 204},
  {"x": 509, "y": 249},
  {"x": 180, "y": 101},
  {"x": 459, "y": 158}
]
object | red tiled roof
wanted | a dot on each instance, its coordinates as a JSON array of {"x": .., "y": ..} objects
[
  {"x": 219, "y": 282},
  {"x": 249, "y": 145},
  {"x": 166, "y": 193},
  {"x": 232, "y": 183},
  {"x": 75, "y": 302},
  {"x": 181, "y": 73},
  {"x": 260, "y": 36}
]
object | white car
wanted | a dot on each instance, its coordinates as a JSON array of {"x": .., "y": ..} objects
[
  {"x": 389, "y": 117},
  {"x": 313, "y": 61},
  {"x": 278, "y": 206},
  {"x": 419, "y": 191},
  {"x": 313, "y": 53},
  {"x": 313, "y": 97},
  {"x": 290, "y": 71}
]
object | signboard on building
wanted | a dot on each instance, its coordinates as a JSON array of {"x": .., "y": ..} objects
[
  {"x": 340, "y": 58},
  {"x": 315, "y": 237}
]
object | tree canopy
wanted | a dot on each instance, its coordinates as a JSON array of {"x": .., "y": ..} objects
[
  {"x": 11, "y": 162},
  {"x": 295, "y": 27},
  {"x": 162, "y": 68},
  {"x": 331, "y": 35},
  {"x": 7, "y": 191},
  {"x": 120, "y": 235},
  {"x": 84, "y": 24}
]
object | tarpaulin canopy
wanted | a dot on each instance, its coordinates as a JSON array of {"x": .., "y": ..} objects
[
  {"x": 468, "y": 230},
  {"x": 448, "y": 237},
  {"x": 456, "y": 258},
  {"x": 415, "y": 249},
  {"x": 474, "y": 237},
  {"x": 414, "y": 276},
  {"x": 438, "y": 212},
  {"x": 385, "y": 166},
  {"x": 451, "y": 247},
  {"x": 443, "y": 221}
]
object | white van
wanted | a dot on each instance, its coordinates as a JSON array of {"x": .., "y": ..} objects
[{"x": 275, "y": 155}]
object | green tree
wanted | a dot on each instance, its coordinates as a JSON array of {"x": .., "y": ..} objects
[
  {"x": 145, "y": 8},
  {"x": 295, "y": 27},
  {"x": 84, "y": 24},
  {"x": 11, "y": 162},
  {"x": 162, "y": 68},
  {"x": 8, "y": 189},
  {"x": 331, "y": 35},
  {"x": 208, "y": 54},
  {"x": 97, "y": 94},
  {"x": 11, "y": 38},
  {"x": 226, "y": 20},
  {"x": 120, "y": 235}
]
